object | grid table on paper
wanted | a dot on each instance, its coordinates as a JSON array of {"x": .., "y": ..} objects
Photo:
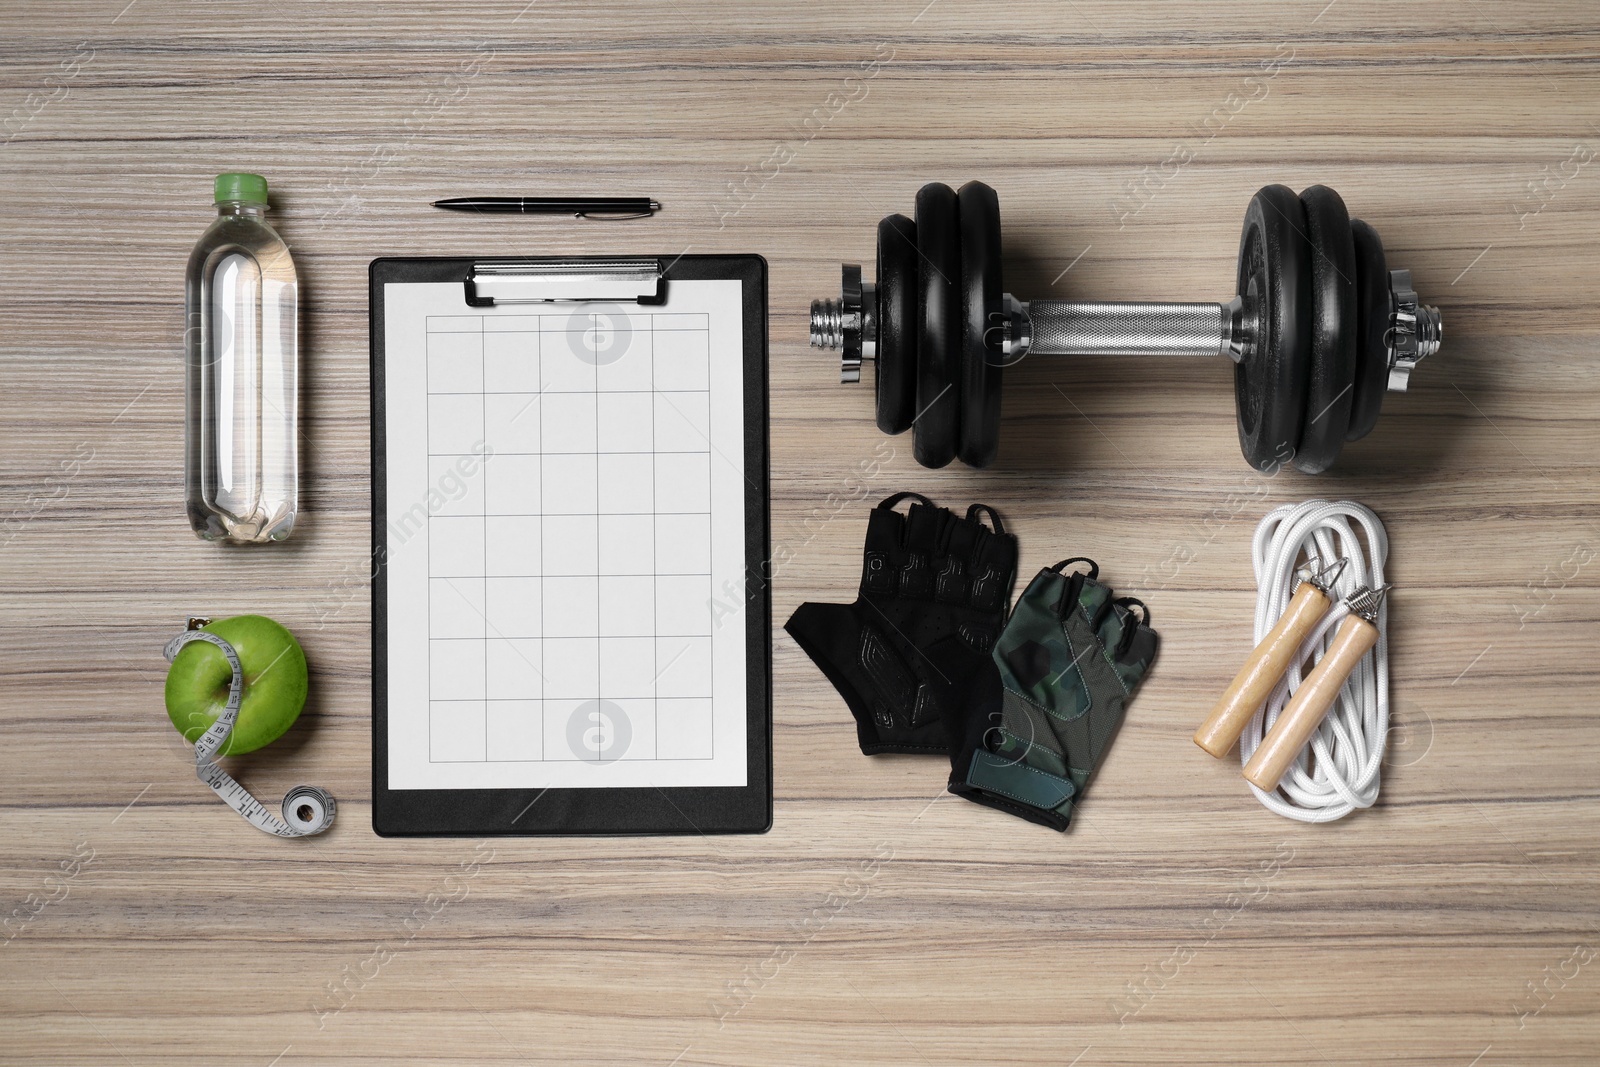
[{"x": 569, "y": 587}]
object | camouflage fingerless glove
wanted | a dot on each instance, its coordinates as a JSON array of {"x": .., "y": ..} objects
[{"x": 1067, "y": 661}]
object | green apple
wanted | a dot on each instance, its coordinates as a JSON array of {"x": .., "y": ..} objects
[{"x": 275, "y": 683}]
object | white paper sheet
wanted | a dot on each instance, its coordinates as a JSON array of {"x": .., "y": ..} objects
[{"x": 566, "y": 530}]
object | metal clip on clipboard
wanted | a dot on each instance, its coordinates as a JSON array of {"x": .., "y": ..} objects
[{"x": 548, "y": 281}]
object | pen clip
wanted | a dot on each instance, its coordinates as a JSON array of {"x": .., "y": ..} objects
[
  {"x": 651, "y": 207},
  {"x": 600, "y": 217}
]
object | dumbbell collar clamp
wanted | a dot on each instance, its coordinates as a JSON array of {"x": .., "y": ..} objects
[
  {"x": 848, "y": 324},
  {"x": 1415, "y": 330}
]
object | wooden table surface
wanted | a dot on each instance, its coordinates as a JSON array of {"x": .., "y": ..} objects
[{"x": 880, "y": 921}]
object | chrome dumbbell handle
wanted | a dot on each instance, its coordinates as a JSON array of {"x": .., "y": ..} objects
[
  {"x": 1047, "y": 327},
  {"x": 1116, "y": 328}
]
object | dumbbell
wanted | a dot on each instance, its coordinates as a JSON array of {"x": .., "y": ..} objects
[{"x": 1319, "y": 329}]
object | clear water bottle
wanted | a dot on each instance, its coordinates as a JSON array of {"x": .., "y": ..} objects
[{"x": 241, "y": 354}]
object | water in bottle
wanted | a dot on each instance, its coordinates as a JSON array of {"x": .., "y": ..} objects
[{"x": 241, "y": 354}]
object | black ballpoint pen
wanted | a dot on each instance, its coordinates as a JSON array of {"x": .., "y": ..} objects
[{"x": 583, "y": 207}]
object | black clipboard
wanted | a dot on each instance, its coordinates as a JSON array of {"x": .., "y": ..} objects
[{"x": 554, "y": 811}]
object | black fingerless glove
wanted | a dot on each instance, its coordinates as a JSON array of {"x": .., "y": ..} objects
[{"x": 934, "y": 592}]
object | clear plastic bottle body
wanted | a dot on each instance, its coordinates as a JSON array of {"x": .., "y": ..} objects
[{"x": 241, "y": 351}]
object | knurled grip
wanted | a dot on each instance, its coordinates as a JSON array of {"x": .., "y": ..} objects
[{"x": 1116, "y": 328}]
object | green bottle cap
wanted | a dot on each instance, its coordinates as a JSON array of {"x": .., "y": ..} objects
[{"x": 249, "y": 187}]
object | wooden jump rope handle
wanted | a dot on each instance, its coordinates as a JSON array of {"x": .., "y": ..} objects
[
  {"x": 1255, "y": 681},
  {"x": 1310, "y": 703}
]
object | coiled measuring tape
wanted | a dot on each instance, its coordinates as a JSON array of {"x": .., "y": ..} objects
[{"x": 307, "y": 810}]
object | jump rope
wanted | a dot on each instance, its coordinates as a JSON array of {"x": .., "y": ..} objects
[{"x": 1319, "y": 575}]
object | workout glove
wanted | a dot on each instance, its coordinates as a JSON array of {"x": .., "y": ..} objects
[
  {"x": 1068, "y": 660},
  {"x": 934, "y": 592}
]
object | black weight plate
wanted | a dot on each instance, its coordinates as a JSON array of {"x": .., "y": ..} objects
[
  {"x": 897, "y": 324},
  {"x": 936, "y": 427},
  {"x": 1372, "y": 330},
  {"x": 979, "y": 210},
  {"x": 1275, "y": 275},
  {"x": 1333, "y": 330}
]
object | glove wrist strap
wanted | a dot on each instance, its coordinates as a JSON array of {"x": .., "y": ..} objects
[{"x": 1010, "y": 785}]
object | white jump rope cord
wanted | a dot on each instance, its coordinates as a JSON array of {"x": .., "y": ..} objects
[{"x": 1347, "y": 750}]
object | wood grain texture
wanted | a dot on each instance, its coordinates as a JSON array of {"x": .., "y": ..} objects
[{"x": 880, "y": 921}]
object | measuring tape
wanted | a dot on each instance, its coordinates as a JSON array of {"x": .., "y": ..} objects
[{"x": 307, "y": 810}]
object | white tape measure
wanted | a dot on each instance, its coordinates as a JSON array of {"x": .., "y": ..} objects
[{"x": 307, "y": 810}]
